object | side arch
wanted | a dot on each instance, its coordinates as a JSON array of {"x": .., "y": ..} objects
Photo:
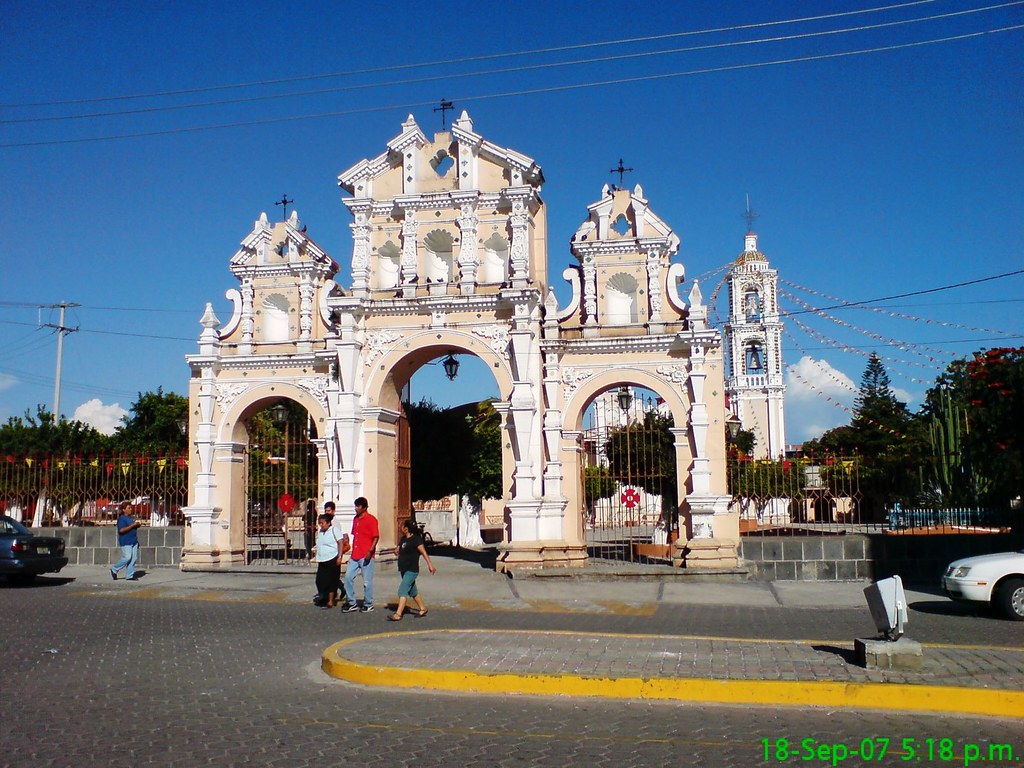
[{"x": 670, "y": 390}]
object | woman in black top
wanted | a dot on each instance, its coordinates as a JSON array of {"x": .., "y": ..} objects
[{"x": 409, "y": 550}]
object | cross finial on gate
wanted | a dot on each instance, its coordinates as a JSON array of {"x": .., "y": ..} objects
[
  {"x": 621, "y": 170},
  {"x": 284, "y": 201},
  {"x": 445, "y": 106}
]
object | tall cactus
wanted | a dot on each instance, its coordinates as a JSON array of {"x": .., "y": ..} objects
[{"x": 954, "y": 477}]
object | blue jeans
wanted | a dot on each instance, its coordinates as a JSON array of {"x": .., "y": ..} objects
[
  {"x": 354, "y": 567},
  {"x": 129, "y": 557}
]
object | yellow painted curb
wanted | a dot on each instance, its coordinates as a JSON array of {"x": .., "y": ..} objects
[{"x": 885, "y": 696}]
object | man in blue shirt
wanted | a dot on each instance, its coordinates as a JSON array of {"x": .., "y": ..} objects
[{"x": 128, "y": 539}]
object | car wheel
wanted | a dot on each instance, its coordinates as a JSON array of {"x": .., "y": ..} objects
[
  {"x": 1010, "y": 599},
  {"x": 21, "y": 579}
]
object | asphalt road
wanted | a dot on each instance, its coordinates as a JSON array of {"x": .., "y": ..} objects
[{"x": 115, "y": 677}]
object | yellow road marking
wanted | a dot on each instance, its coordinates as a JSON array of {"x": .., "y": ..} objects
[{"x": 884, "y": 696}]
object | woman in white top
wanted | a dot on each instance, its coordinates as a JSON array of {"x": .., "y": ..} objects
[{"x": 329, "y": 549}]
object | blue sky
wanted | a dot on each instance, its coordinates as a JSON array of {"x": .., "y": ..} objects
[{"x": 874, "y": 173}]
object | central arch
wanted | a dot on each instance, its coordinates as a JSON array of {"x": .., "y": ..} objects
[{"x": 385, "y": 383}]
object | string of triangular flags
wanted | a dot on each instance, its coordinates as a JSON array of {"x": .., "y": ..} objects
[
  {"x": 914, "y": 349},
  {"x": 823, "y": 339},
  {"x": 820, "y": 393},
  {"x": 161, "y": 464},
  {"x": 899, "y": 315}
]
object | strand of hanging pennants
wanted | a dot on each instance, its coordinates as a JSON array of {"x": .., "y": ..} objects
[
  {"x": 827, "y": 370},
  {"x": 109, "y": 466},
  {"x": 823, "y": 339},
  {"x": 890, "y": 313},
  {"x": 712, "y": 303},
  {"x": 901, "y": 345},
  {"x": 820, "y": 393}
]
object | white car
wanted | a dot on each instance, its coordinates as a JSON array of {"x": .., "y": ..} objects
[{"x": 997, "y": 579}]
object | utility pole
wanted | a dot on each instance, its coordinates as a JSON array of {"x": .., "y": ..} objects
[{"x": 62, "y": 331}]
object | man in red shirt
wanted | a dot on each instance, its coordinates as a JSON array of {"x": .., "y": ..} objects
[{"x": 365, "y": 534}]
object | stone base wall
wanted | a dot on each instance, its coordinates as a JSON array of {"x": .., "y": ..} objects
[
  {"x": 97, "y": 545},
  {"x": 918, "y": 559}
]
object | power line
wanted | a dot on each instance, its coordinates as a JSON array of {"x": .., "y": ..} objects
[
  {"x": 113, "y": 333},
  {"x": 522, "y": 92},
  {"x": 468, "y": 59},
  {"x": 905, "y": 295},
  {"x": 499, "y": 71}
]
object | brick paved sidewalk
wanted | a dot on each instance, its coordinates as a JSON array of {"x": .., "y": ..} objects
[{"x": 961, "y": 679}]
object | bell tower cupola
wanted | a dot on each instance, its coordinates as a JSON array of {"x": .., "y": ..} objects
[{"x": 753, "y": 338}]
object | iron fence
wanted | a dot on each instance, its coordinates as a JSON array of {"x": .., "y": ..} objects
[
  {"x": 72, "y": 490},
  {"x": 811, "y": 495}
]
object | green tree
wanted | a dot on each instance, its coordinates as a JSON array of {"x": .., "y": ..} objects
[
  {"x": 440, "y": 442},
  {"x": 888, "y": 440},
  {"x": 643, "y": 454},
  {"x": 42, "y": 435},
  {"x": 484, "y": 478},
  {"x": 151, "y": 425}
]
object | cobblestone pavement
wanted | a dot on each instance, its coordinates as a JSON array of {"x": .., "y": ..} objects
[{"x": 99, "y": 673}]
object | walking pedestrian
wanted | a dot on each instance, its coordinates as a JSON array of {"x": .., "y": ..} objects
[
  {"x": 365, "y": 535},
  {"x": 128, "y": 540},
  {"x": 409, "y": 550},
  {"x": 329, "y": 550}
]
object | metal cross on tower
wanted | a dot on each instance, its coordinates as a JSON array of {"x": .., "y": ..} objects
[
  {"x": 285, "y": 202},
  {"x": 445, "y": 106},
  {"x": 749, "y": 215},
  {"x": 621, "y": 170}
]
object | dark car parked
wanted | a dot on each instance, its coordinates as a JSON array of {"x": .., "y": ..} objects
[{"x": 23, "y": 555}]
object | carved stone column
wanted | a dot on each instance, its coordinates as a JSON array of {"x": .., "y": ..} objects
[
  {"x": 248, "y": 322},
  {"x": 654, "y": 290},
  {"x": 360, "y": 249},
  {"x": 589, "y": 297},
  {"x": 409, "y": 276},
  {"x": 520, "y": 252},
  {"x": 468, "y": 260}
]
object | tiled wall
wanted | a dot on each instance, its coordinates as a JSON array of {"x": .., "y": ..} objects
[
  {"x": 916, "y": 559},
  {"x": 97, "y": 545}
]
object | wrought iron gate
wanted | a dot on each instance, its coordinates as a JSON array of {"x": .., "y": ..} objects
[
  {"x": 281, "y": 488},
  {"x": 403, "y": 473},
  {"x": 629, "y": 478}
]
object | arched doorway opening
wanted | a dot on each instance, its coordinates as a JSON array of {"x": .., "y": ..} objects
[
  {"x": 281, "y": 480},
  {"x": 628, "y": 465},
  {"x": 436, "y": 411}
]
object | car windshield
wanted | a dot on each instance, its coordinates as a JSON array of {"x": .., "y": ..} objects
[{"x": 11, "y": 527}]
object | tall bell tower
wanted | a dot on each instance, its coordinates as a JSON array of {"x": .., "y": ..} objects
[{"x": 753, "y": 335}]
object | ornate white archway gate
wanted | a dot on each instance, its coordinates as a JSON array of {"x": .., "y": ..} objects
[{"x": 454, "y": 260}]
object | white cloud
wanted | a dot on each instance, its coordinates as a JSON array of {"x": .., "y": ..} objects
[
  {"x": 815, "y": 392},
  {"x": 7, "y": 381},
  {"x": 103, "y": 418}
]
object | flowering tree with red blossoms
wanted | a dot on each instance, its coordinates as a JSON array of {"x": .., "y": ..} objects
[{"x": 989, "y": 387}]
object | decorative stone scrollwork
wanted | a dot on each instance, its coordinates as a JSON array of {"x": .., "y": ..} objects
[
  {"x": 573, "y": 377},
  {"x": 228, "y": 393},
  {"x": 497, "y": 337},
  {"x": 675, "y": 373},
  {"x": 317, "y": 387},
  {"x": 377, "y": 344},
  {"x": 702, "y": 530}
]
